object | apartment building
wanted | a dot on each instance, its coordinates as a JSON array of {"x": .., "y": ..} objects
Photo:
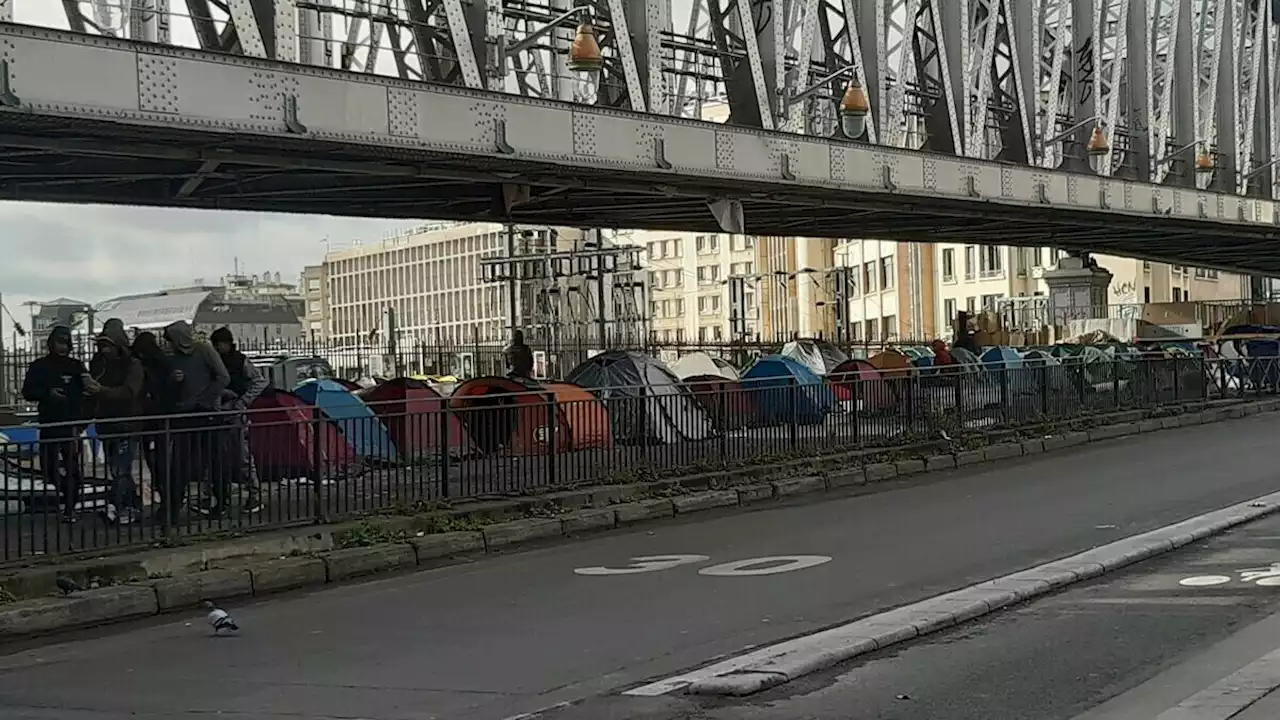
[
  {"x": 974, "y": 278},
  {"x": 688, "y": 276},
  {"x": 314, "y": 291},
  {"x": 431, "y": 277}
]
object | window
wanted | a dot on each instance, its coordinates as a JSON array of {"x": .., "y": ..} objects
[
  {"x": 708, "y": 304},
  {"x": 869, "y": 277},
  {"x": 313, "y": 284},
  {"x": 971, "y": 305},
  {"x": 889, "y": 327},
  {"x": 949, "y": 265},
  {"x": 708, "y": 244},
  {"x": 992, "y": 264},
  {"x": 970, "y": 261},
  {"x": 989, "y": 302},
  {"x": 672, "y": 278},
  {"x": 739, "y": 243},
  {"x": 1177, "y": 294},
  {"x": 1037, "y": 257},
  {"x": 873, "y": 330},
  {"x": 948, "y": 313},
  {"x": 887, "y": 276},
  {"x": 655, "y": 251},
  {"x": 679, "y": 307},
  {"x": 708, "y": 274}
]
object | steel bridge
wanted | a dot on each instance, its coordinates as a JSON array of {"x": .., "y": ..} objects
[{"x": 980, "y": 114}]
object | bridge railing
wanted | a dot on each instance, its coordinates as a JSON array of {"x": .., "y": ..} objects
[{"x": 69, "y": 488}]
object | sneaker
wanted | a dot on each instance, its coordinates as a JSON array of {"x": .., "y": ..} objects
[
  {"x": 252, "y": 506},
  {"x": 109, "y": 512},
  {"x": 129, "y": 516}
]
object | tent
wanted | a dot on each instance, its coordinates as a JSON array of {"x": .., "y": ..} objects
[
  {"x": 999, "y": 357},
  {"x": 860, "y": 380},
  {"x": 820, "y": 356},
  {"x": 516, "y": 416},
  {"x": 725, "y": 401},
  {"x": 283, "y": 443},
  {"x": 785, "y": 392},
  {"x": 353, "y": 418},
  {"x": 646, "y": 401},
  {"x": 891, "y": 363},
  {"x": 412, "y": 411},
  {"x": 701, "y": 364}
]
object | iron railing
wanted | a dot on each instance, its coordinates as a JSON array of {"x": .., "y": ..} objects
[{"x": 316, "y": 465}]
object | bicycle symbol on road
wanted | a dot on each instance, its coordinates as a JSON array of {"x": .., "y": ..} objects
[{"x": 1263, "y": 577}]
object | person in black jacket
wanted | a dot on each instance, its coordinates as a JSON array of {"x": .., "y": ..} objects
[
  {"x": 56, "y": 383},
  {"x": 246, "y": 384},
  {"x": 115, "y": 384},
  {"x": 157, "y": 401}
]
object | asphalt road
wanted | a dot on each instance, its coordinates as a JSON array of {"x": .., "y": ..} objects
[
  {"x": 1062, "y": 657},
  {"x": 516, "y": 634}
]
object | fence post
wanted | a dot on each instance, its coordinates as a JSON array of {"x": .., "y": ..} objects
[
  {"x": 552, "y": 428},
  {"x": 724, "y": 425},
  {"x": 445, "y": 446},
  {"x": 317, "y": 464},
  {"x": 1115, "y": 380},
  {"x": 1004, "y": 392},
  {"x": 1044, "y": 388},
  {"x": 1177, "y": 381},
  {"x": 793, "y": 386}
]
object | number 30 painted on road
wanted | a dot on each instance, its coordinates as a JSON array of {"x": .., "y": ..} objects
[{"x": 738, "y": 568}]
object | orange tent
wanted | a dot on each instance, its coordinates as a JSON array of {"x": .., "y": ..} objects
[{"x": 523, "y": 417}]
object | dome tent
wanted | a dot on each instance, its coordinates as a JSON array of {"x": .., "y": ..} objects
[
  {"x": 357, "y": 423},
  {"x": 700, "y": 364},
  {"x": 820, "y": 356},
  {"x": 645, "y": 400},
  {"x": 785, "y": 392},
  {"x": 412, "y": 412},
  {"x": 515, "y": 416},
  {"x": 860, "y": 380}
]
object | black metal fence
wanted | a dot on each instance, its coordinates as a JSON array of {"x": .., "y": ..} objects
[{"x": 70, "y": 488}]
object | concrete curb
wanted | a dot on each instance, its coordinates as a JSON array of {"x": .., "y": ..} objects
[
  {"x": 325, "y": 563},
  {"x": 786, "y": 661}
]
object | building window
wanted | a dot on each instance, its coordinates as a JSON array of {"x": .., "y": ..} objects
[
  {"x": 989, "y": 302},
  {"x": 971, "y": 305},
  {"x": 869, "y": 277},
  {"x": 1177, "y": 294},
  {"x": 948, "y": 312},
  {"x": 949, "y": 265},
  {"x": 708, "y": 274},
  {"x": 708, "y": 244},
  {"x": 1037, "y": 257},
  {"x": 992, "y": 264},
  {"x": 889, "y": 327},
  {"x": 872, "y": 331},
  {"x": 887, "y": 275},
  {"x": 970, "y": 261}
]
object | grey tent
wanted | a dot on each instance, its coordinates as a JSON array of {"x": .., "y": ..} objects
[
  {"x": 645, "y": 400},
  {"x": 819, "y": 356}
]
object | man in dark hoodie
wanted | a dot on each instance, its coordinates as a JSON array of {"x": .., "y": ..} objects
[
  {"x": 157, "y": 401},
  {"x": 197, "y": 378},
  {"x": 56, "y": 383},
  {"x": 247, "y": 383},
  {"x": 116, "y": 386}
]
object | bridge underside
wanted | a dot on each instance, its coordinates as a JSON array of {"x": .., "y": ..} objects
[{"x": 176, "y": 168}]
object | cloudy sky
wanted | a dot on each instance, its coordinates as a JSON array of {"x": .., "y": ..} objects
[{"x": 92, "y": 252}]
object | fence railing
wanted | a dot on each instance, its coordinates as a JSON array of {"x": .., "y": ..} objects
[{"x": 70, "y": 487}]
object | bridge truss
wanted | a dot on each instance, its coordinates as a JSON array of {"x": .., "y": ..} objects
[{"x": 1170, "y": 81}]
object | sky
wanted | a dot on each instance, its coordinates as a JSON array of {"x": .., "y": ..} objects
[{"x": 93, "y": 252}]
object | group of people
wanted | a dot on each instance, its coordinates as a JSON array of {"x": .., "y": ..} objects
[{"x": 178, "y": 402}]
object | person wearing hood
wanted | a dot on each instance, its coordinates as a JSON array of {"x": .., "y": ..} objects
[
  {"x": 115, "y": 385},
  {"x": 518, "y": 357},
  {"x": 56, "y": 383},
  {"x": 246, "y": 384},
  {"x": 157, "y": 401},
  {"x": 197, "y": 378}
]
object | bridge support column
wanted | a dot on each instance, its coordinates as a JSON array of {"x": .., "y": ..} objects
[{"x": 1077, "y": 290}]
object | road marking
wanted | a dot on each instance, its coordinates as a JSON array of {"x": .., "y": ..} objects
[
  {"x": 1204, "y": 581},
  {"x": 648, "y": 563},
  {"x": 774, "y": 565}
]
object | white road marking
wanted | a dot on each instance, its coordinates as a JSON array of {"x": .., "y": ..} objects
[
  {"x": 648, "y": 563},
  {"x": 774, "y": 565},
  {"x": 1204, "y": 581}
]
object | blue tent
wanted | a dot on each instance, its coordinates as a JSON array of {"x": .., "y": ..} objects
[
  {"x": 357, "y": 423},
  {"x": 784, "y": 391},
  {"x": 1005, "y": 357}
]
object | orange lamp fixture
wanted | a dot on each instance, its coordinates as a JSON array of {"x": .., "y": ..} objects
[{"x": 584, "y": 54}]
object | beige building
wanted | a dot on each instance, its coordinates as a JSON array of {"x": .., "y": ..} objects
[
  {"x": 972, "y": 278},
  {"x": 688, "y": 277},
  {"x": 315, "y": 316},
  {"x": 431, "y": 277}
]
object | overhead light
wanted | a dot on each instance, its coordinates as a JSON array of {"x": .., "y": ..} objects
[
  {"x": 584, "y": 54},
  {"x": 1204, "y": 161},
  {"x": 854, "y": 109},
  {"x": 1098, "y": 144}
]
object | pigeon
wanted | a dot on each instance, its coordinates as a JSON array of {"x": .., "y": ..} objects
[
  {"x": 67, "y": 585},
  {"x": 220, "y": 619}
]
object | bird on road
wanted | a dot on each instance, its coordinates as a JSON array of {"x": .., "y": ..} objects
[
  {"x": 66, "y": 585},
  {"x": 220, "y": 619}
]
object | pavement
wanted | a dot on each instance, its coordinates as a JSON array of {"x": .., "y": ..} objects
[{"x": 520, "y": 633}]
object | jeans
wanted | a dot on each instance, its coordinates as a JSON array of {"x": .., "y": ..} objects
[
  {"x": 60, "y": 461},
  {"x": 119, "y": 453}
]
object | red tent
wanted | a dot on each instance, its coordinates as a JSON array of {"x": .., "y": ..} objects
[
  {"x": 515, "y": 416},
  {"x": 725, "y": 401},
  {"x": 858, "y": 378},
  {"x": 412, "y": 412},
  {"x": 282, "y": 441}
]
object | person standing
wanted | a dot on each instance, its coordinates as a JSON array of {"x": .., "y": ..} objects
[
  {"x": 197, "y": 378},
  {"x": 115, "y": 385},
  {"x": 157, "y": 402},
  {"x": 246, "y": 384},
  {"x": 56, "y": 383},
  {"x": 518, "y": 356}
]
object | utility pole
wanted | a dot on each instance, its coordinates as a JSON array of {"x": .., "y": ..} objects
[
  {"x": 512, "y": 282},
  {"x": 4, "y": 363}
]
